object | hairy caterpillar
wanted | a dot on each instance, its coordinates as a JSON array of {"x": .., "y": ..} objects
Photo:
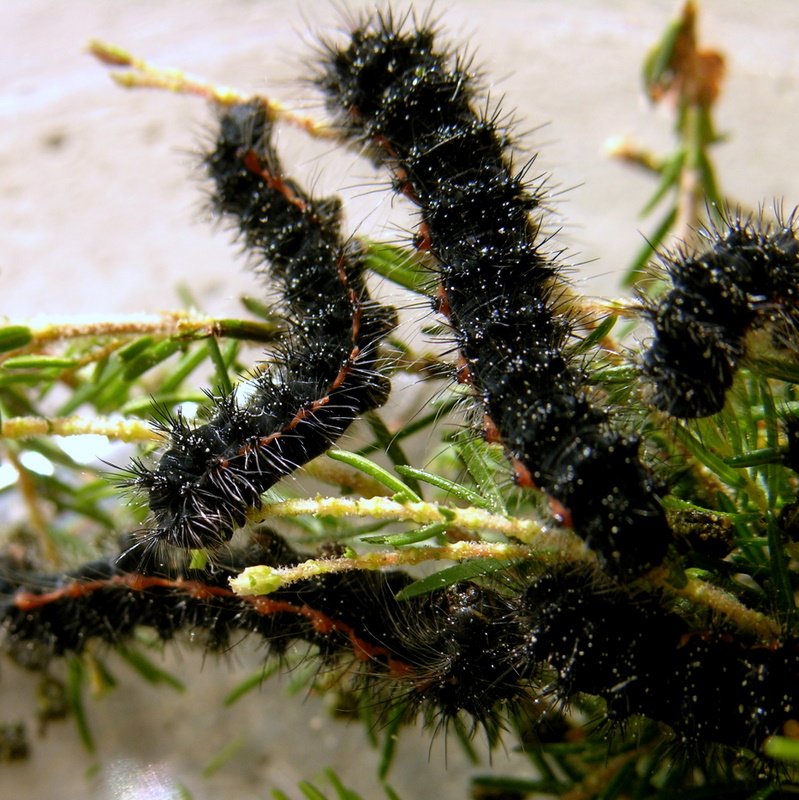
[
  {"x": 746, "y": 279},
  {"x": 466, "y": 649},
  {"x": 322, "y": 378},
  {"x": 414, "y": 107}
]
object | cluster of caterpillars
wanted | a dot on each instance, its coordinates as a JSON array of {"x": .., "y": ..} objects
[{"x": 469, "y": 649}]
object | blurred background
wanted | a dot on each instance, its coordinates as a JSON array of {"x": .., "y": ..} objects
[{"x": 103, "y": 214}]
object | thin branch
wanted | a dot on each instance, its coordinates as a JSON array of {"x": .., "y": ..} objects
[
  {"x": 262, "y": 580},
  {"x": 142, "y": 75},
  {"x": 531, "y": 532},
  {"x": 33, "y": 501},
  {"x": 124, "y": 430},
  {"x": 168, "y": 323}
]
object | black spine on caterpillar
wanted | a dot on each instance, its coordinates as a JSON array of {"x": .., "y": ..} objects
[
  {"x": 747, "y": 278},
  {"x": 467, "y": 648},
  {"x": 323, "y": 377},
  {"x": 413, "y": 108}
]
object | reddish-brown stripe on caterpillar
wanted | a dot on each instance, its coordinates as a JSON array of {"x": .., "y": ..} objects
[
  {"x": 412, "y": 107},
  {"x": 322, "y": 378}
]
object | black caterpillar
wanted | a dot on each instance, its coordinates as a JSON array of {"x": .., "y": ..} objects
[
  {"x": 748, "y": 278},
  {"x": 413, "y": 107},
  {"x": 322, "y": 379},
  {"x": 468, "y": 648}
]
